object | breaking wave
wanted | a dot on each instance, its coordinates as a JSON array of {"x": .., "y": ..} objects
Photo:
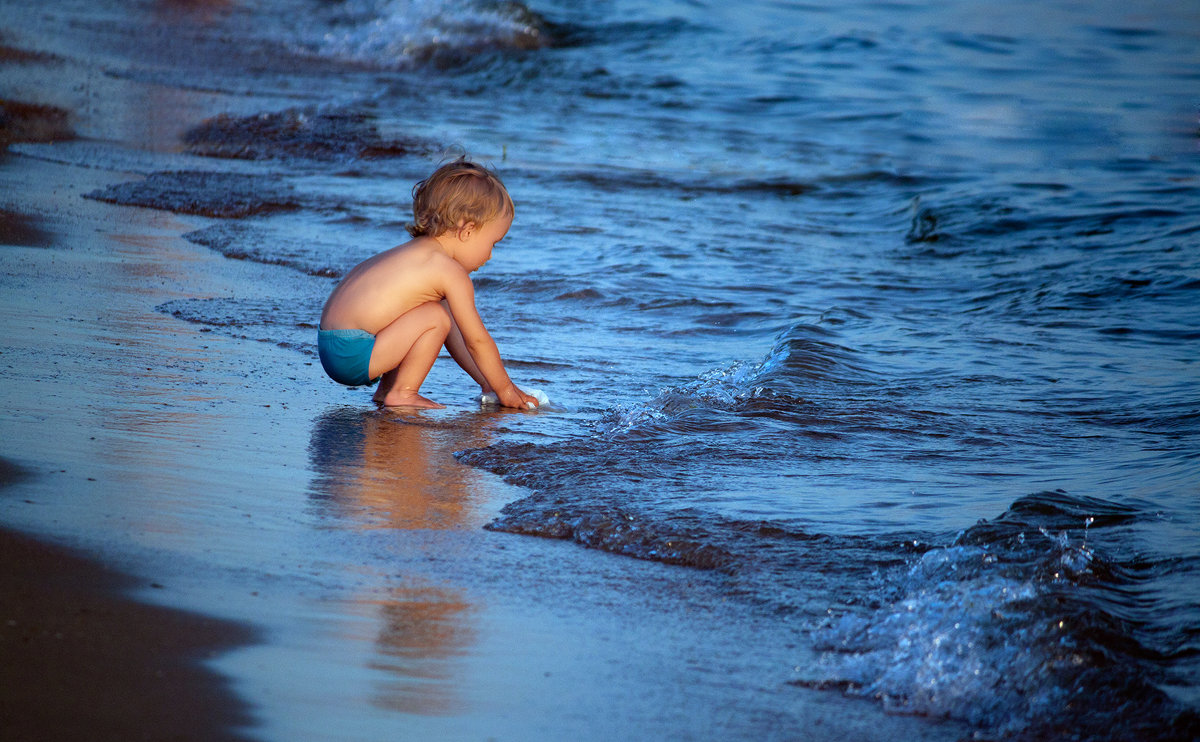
[
  {"x": 1028, "y": 626},
  {"x": 403, "y": 33}
]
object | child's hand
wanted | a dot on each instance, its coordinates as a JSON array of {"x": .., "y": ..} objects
[{"x": 514, "y": 397}]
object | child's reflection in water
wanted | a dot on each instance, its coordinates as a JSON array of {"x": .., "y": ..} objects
[{"x": 378, "y": 469}]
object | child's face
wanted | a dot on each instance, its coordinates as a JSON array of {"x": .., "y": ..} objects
[{"x": 477, "y": 249}]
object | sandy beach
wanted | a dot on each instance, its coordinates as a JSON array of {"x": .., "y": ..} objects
[{"x": 82, "y": 662}]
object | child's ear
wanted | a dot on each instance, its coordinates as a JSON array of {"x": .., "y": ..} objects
[{"x": 465, "y": 230}]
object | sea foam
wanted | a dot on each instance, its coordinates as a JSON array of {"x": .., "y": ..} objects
[{"x": 391, "y": 33}]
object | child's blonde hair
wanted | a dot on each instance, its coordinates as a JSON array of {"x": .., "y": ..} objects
[{"x": 458, "y": 192}]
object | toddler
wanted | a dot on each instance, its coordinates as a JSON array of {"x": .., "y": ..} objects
[{"x": 390, "y": 316}]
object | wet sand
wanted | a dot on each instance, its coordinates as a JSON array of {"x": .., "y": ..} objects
[
  {"x": 79, "y": 657},
  {"x": 79, "y": 661}
]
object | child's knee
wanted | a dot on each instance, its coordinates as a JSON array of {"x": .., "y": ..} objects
[
  {"x": 439, "y": 317},
  {"x": 443, "y": 315}
]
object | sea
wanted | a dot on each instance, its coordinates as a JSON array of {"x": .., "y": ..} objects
[{"x": 885, "y": 311}]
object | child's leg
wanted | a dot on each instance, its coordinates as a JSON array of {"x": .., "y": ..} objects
[{"x": 405, "y": 351}]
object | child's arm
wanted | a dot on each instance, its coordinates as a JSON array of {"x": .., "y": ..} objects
[
  {"x": 460, "y": 297},
  {"x": 458, "y": 351}
]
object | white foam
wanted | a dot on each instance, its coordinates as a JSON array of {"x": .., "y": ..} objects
[
  {"x": 952, "y": 645},
  {"x": 390, "y": 32}
]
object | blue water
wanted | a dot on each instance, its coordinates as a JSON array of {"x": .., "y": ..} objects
[{"x": 887, "y": 310}]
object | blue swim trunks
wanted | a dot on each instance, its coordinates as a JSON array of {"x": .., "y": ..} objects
[{"x": 346, "y": 355}]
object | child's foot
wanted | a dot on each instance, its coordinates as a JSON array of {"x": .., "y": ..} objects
[{"x": 397, "y": 398}]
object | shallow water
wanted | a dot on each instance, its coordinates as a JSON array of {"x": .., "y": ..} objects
[{"x": 885, "y": 311}]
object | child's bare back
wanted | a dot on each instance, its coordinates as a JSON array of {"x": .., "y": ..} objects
[
  {"x": 390, "y": 316},
  {"x": 381, "y": 288}
]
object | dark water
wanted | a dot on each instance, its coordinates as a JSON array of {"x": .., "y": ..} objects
[{"x": 887, "y": 310}]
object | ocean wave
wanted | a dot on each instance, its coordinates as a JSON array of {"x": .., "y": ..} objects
[
  {"x": 306, "y": 133},
  {"x": 979, "y": 224},
  {"x": 589, "y": 488},
  {"x": 1021, "y": 618},
  {"x": 697, "y": 182},
  {"x": 402, "y": 33},
  {"x": 617, "y": 532},
  {"x": 722, "y": 389},
  {"x": 804, "y": 361},
  {"x": 1040, "y": 623}
]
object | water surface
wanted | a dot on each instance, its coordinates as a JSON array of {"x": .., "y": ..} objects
[{"x": 885, "y": 311}]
